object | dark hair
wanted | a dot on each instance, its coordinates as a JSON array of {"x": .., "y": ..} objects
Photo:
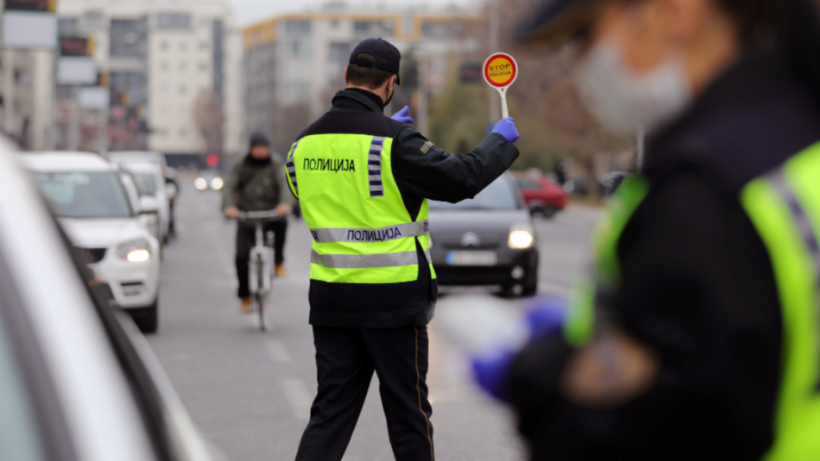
[
  {"x": 793, "y": 24},
  {"x": 368, "y": 77}
]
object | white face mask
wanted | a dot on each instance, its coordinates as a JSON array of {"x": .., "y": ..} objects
[{"x": 622, "y": 100}]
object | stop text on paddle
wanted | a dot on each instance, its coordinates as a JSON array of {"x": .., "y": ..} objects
[{"x": 500, "y": 72}]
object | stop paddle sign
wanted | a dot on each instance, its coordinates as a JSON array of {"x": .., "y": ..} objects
[{"x": 500, "y": 72}]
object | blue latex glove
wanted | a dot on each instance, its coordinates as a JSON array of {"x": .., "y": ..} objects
[
  {"x": 490, "y": 373},
  {"x": 401, "y": 116},
  {"x": 507, "y": 129},
  {"x": 546, "y": 316}
]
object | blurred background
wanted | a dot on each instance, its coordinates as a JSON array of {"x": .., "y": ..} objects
[
  {"x": 193, "y": 79},
  {"x": 109, "y": 100}
]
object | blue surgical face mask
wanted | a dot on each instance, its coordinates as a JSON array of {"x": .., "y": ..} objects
[{"x": 623, "y": 100}]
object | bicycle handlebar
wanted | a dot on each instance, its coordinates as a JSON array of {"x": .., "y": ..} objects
[{"x": 251, "y": 215}]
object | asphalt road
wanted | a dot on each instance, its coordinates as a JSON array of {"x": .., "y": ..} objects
[{"x": 250, "y": 392}]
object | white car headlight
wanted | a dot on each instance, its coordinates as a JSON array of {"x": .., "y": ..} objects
[
  {"x": 135, "y": 251},
  {"x": 217, "y": 183},
  {"x": 522, "y": 236},
  {"x": 200, "y": 183}
]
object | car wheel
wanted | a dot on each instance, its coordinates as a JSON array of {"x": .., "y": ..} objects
[
  {"x": 530, "y": 290},
  {"x": 147, "y": 318},
  {"x": 548, "y": 211}
]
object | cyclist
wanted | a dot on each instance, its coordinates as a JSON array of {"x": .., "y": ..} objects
[{"x": 257, "y": 183}]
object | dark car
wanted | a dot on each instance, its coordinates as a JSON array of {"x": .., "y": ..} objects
[
  {"x": 543, "y": 197},
  {"x": 488, "y": 240}
]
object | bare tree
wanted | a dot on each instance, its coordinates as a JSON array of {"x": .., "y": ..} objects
[{"x": 209, "y": 118}]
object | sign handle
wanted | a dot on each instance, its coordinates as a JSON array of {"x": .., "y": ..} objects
[{"x": 505, "y": 111}]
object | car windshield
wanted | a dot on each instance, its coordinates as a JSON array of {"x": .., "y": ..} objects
[
  {"x": 500, "y": 195},
  {"x": 149, "y": 181},
  {"x": 84, "y": 195}
]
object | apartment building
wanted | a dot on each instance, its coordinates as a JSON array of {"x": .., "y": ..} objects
[
  {"x": 293, "y": 64},
  {"x": 168, "y": 67},
  {"x": 26, "y": 97}
]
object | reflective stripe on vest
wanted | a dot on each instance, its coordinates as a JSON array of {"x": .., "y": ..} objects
[
  {"x": 407, "y": 258},
  {"x": 412, "y": 229},
  {"x": 362, "y": 231},
  {"x": 785, "y": 209}
]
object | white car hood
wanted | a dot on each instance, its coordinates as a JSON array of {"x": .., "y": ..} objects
[{"x": 99, "y": 233}]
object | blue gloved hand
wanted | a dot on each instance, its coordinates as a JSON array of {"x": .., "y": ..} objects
[
  {"x": 401, "y": 116},
  {"x": 490, "y": 373},
  {"x": 546, "y": 316},
  {"x": 507, "y": 129}
]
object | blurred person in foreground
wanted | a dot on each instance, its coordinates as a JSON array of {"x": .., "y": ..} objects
[
  {"x": 363, "y": 180},
  {"x": 698, "y": 337},
  {"x": 257, "y": 183}
]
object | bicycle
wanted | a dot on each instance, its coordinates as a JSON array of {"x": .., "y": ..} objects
[{"x": 260, "y": 271}]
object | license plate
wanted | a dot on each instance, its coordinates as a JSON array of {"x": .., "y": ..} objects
[{"x": 472, "y": 258}]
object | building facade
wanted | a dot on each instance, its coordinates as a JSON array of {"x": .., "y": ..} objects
[
  {"x": 26, "y": 97},
  {"x": 293, "y": 64},
  {"x": 167, "y": 68}
]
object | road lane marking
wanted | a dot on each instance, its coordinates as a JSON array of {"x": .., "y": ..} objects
[
  {"x": 277, "y": 352},
  {"x": 298, "y": 396}
]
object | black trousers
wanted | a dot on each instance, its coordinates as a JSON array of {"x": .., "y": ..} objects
[
  {"x": 345, "y": 360},
  {"x": 246, "y": 239}
]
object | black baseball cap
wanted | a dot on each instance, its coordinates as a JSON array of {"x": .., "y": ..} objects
[
  {"x": 556, "y": 21},
  {"x": 388, "y": 57}
]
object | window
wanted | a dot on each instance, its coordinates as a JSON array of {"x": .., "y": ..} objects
[
  {"x": 94, "y": 20},
  {"x": 499, "y": 195},
  {"x": 296, "y": 91},
  {"x": 173, "y": 21},
  {"x": 434, "y": 29},
  {"x": 204, "y": 67},
  {"x": 164, "y": 45},
  {"x": 183, "y": 46},
  {"x": 203, "y": 46},
  {"x": 69, "y": 27},
  {"x": 164, "y": 66},
  {"x": 297, "y": 48},
  {"x": 20, "y": 439},
  {"x": 297, "y": 27},
  {"x": 528, "y": 184},
  {"x": 183, "y": 66},
  {"x": 183, "y": 90},
  {"x": 129, "y": 38},
  {"x": 85, "y": 195}
]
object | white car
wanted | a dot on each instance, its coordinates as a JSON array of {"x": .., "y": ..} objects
[
  {"x": 77, "y": 380},
  {"x": 140, "y": 156},
  {"x": 151, "y": 179},
  {"x": 96, "y": 203}
]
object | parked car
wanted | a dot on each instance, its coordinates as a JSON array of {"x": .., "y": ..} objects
[
  {"x": 140, "y": 156},
  {"x": 487, "y": 240},
  {"x": 97, "y": 205},
  {"x": 542, "y": 196},
  {"x": 152, "y": 183},
  {"x": 77, "y": 380},
  {"x": 208, "y": 179}
]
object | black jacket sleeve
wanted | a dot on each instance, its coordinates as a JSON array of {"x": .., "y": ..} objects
[
  {"x": 424, "y": 170},
  {"x": 699, "y": 291}
]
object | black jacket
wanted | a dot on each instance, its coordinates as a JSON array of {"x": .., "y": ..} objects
[
  {"x": 697, "y": 288},
  {"x": 422, "y": 171}
]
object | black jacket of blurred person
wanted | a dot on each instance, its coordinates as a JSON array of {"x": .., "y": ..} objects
[{"x": 697, "y": 282}]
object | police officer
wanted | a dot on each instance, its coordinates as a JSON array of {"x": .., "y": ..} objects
[
  {"x": 363, "y": 180},
  {"x": 699, "y": 335}
]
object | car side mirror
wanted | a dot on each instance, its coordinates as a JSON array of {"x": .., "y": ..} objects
[{"x": 149, "y": 205}]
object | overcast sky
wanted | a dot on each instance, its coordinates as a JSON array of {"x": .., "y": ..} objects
[{"x": 250, "y": 11}]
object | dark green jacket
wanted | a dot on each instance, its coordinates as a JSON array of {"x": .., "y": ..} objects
[{"x": 254, "y": 187}]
